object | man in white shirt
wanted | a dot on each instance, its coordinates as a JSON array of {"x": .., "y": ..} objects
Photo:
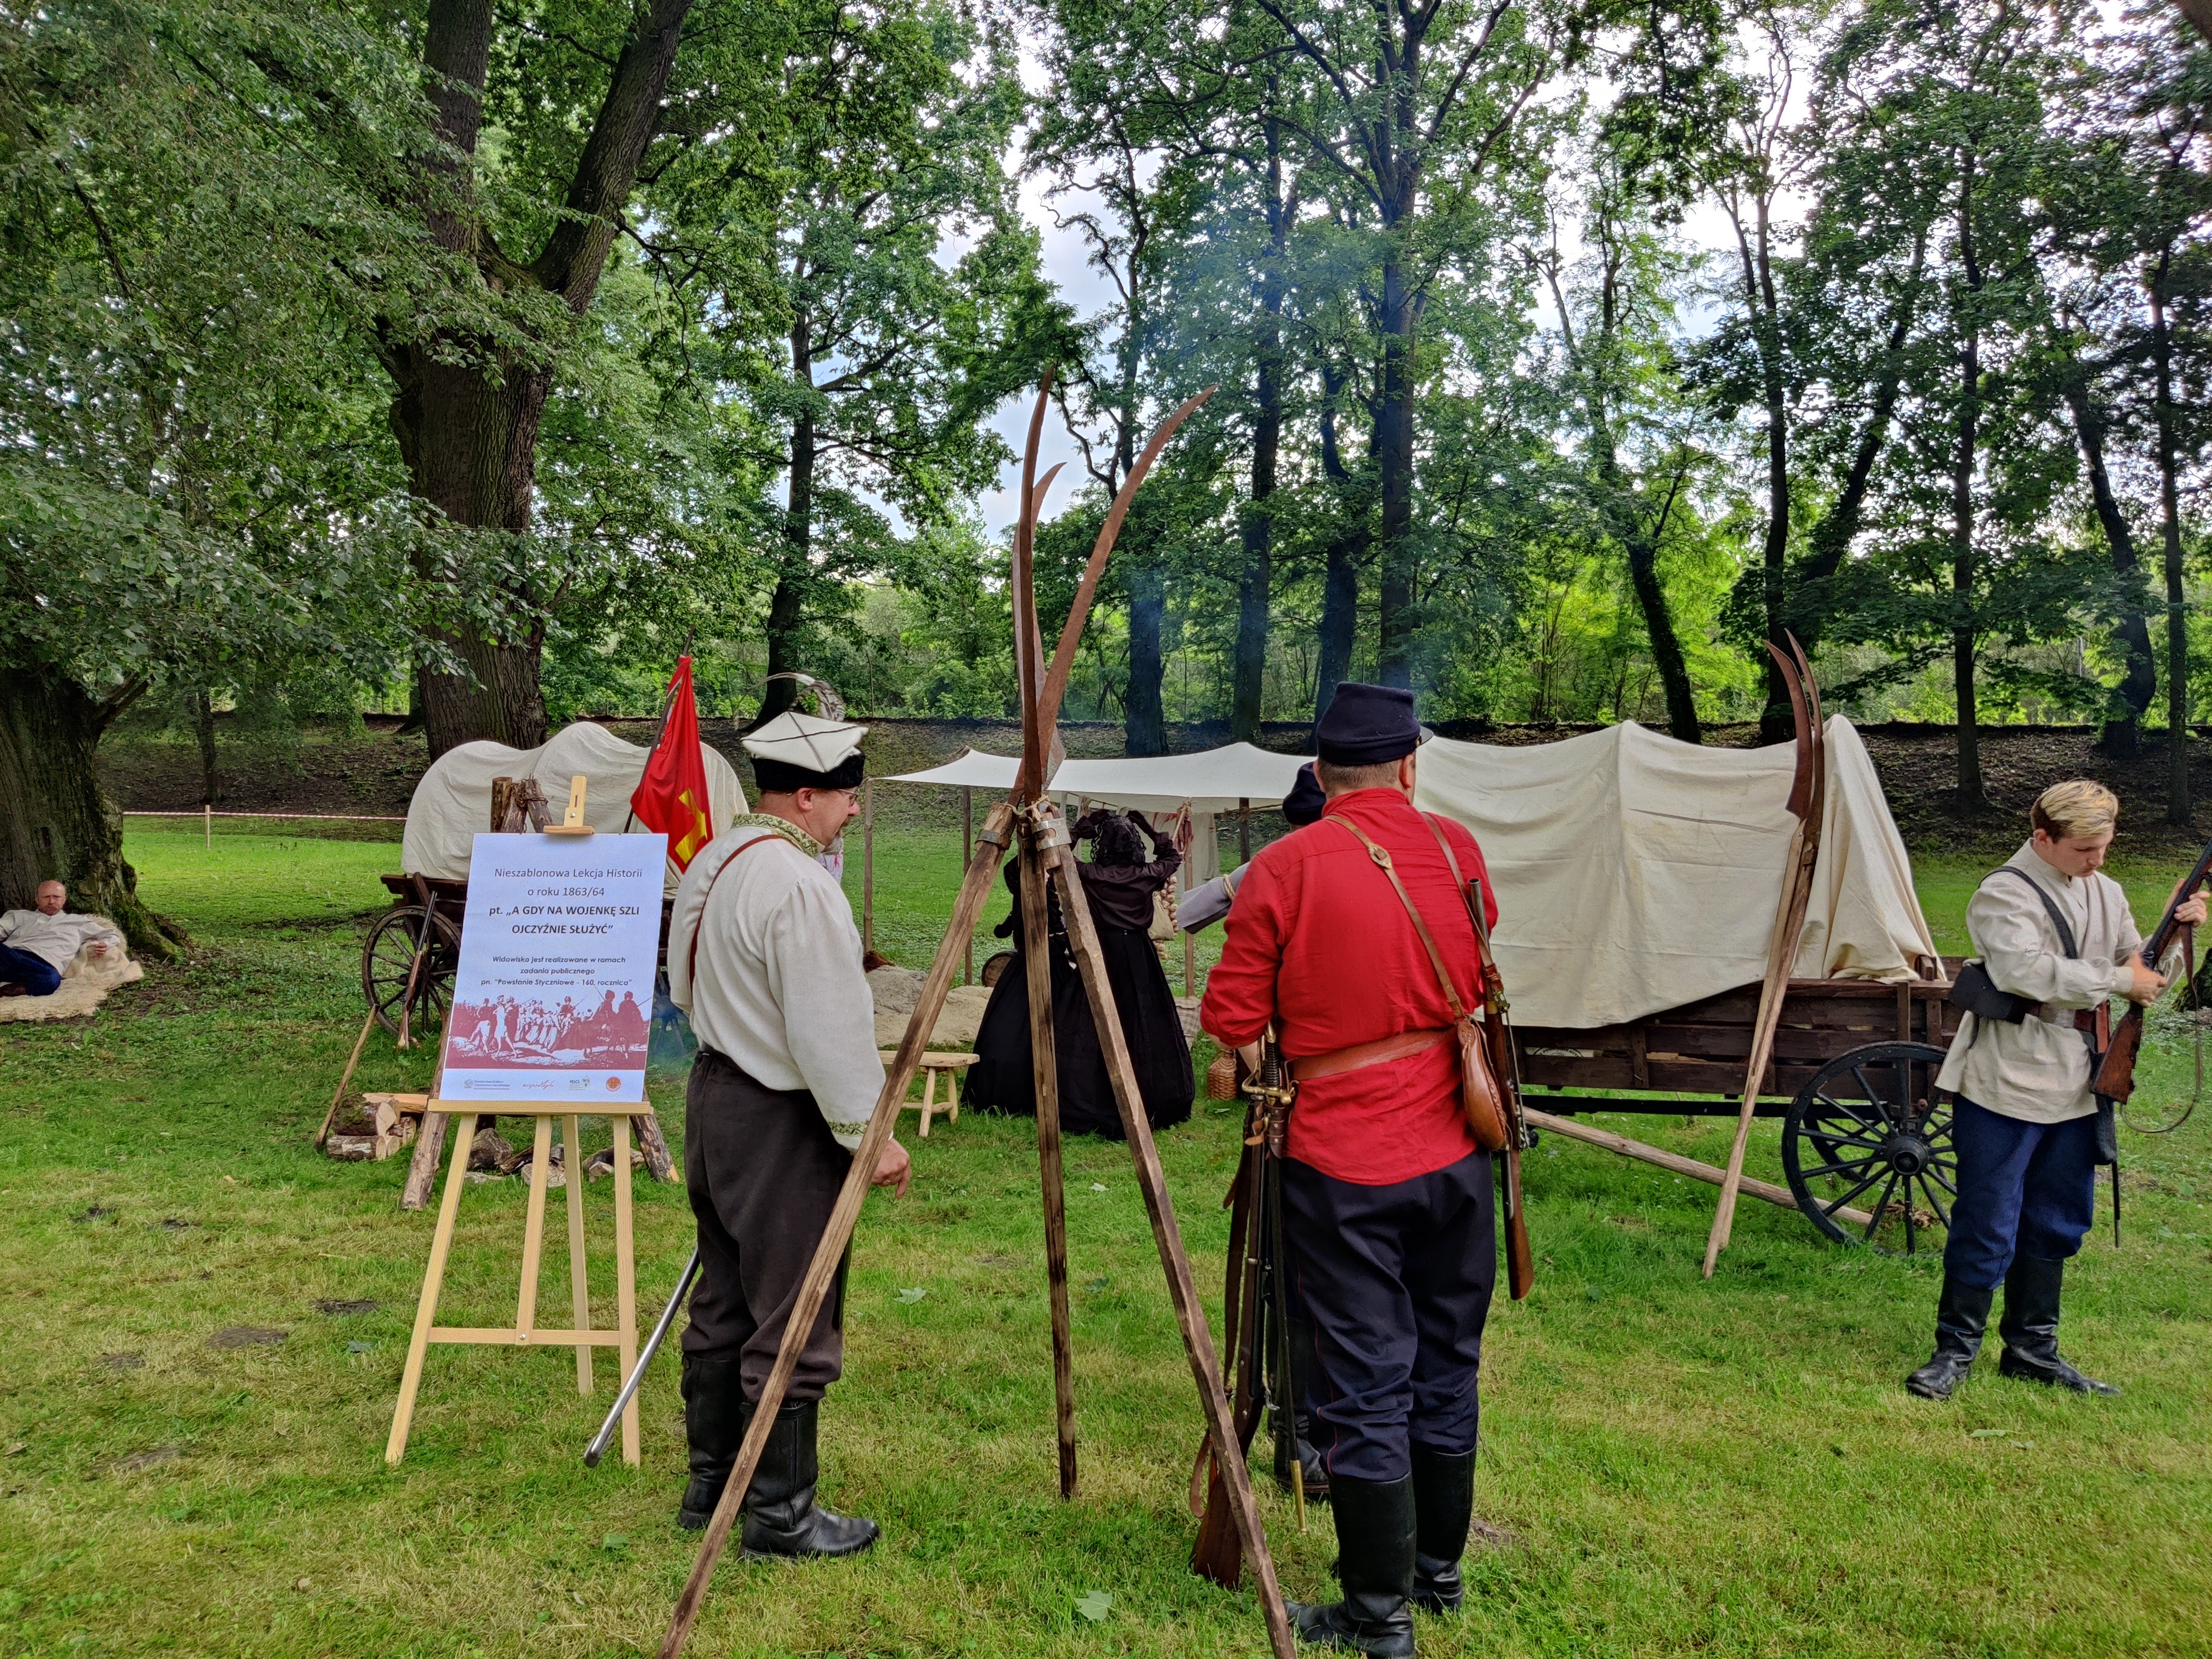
[
  {"x": 2025, "y": 1125},
  {"x": 37, "y": 945},
  {"x": 763, "y": 957}
]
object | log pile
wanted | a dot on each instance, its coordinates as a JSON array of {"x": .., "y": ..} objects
[{"x": 371, "y": 1128}]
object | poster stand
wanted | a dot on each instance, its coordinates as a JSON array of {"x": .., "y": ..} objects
[{"x": 524, "y": 1333}]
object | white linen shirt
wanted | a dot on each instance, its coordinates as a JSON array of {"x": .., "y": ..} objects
[
  {"x": 779, "y": 990},
  {"x": 55, "y": 940},
  {"x": 2037, "y": 1071}
]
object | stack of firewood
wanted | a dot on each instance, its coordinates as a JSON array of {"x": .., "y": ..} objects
[{"x": 371, "y": 1128}]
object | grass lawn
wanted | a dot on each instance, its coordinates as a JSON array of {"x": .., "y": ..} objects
[{"x": 1670, "y": 1465}]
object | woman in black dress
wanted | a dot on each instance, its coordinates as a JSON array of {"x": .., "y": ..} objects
[{"x": 1119, "y": 879}]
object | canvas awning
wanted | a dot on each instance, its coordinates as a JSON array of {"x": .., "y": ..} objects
[
  {"x": 1212, "y": 780},
  {"x": 452, "y": 802},
  {"x": 1635, "y": 873}
]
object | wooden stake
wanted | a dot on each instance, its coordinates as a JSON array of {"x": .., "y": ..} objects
[
  {"x": 975, "y": 888},
  {"x": 1183, "y": 1288},
  {"x": 207, "y": 823},
  {"x": 867, "y": 864},
  {"x": 1243, "y": 832},
  {"x": 344, "y": 1078},
  {"x": 1591, "y": 1135},
  {"x": 1045, "y": 1075}
]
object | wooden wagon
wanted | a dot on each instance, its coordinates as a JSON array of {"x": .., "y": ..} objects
[
  {"x": 425, "y": 916},
  {"x": 1851, "y": 1075}
]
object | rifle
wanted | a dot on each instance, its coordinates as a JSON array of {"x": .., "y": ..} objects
[
  {"x": 1256, "y": 1295},
  {"x": 2116, "y": 1072},
  {"x": 1505, "y": 1066}
]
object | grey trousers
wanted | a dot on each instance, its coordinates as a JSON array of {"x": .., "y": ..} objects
[{"x": 765, "y": 1172}]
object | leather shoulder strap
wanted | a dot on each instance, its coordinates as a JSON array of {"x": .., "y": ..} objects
[
  {"x": 691, "y": 960},
  {"x": 1382, "y": 857},
  {"x": 2050, "y": 905}
]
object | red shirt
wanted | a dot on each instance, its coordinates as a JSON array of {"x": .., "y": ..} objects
[{"x": 1318, "y": 944}]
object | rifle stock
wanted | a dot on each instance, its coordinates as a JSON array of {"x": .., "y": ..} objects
[{"x": 2116, "y": 1072}]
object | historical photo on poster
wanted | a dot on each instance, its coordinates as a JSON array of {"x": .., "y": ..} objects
[{"x": 559, "y": 946}]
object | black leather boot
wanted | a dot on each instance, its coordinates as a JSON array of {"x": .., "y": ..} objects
[
  {"x": 1962, "y": 1316},
  {"x": 714, "y": 1418},
  {"x": 2030, "y": 1328},
  {"x": 1443, "y": 1507},
  {"x": 782, "y": 1517},
  {"x": 1375, "y": 1536}
]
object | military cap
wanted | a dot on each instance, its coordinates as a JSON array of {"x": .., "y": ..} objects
[{"x": 804, "y": 751}]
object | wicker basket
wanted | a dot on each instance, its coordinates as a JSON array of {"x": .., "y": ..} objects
[{"x": 1221, "y": 1077}]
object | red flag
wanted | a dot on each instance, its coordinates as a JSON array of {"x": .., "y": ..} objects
[{"x": 671, "y": 796}]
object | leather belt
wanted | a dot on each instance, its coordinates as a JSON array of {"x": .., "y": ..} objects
[{"x": 1361, "y": 1055}]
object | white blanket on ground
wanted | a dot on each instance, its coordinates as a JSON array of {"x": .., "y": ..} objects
[
  {"x": 1635, "y": 873},
  {"x": 85, "y": 984}
]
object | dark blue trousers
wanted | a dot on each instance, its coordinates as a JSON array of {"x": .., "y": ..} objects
[
  {"x": 2029, "y": 1188},
  {"x": 34, "y": 974},
  {"x": 1396, "y": 1282}
]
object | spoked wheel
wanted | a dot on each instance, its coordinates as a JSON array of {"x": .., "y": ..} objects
[
  {"x": 1871, "y": 1131},
  {"x": 388, "y": 957}
]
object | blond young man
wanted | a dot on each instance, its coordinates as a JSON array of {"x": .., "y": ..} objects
[{"x": 2025, "y": 1125}]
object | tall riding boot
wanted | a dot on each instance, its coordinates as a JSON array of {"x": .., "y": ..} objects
[
  {"x": 2030, "y": 1328},
  {"x": 1443, "y": 1508},
  {"x": 1376, "y": 1537},
  {"x": 782, "y": 1517},
  {"x": 714, "y": 1418},
  {"x": 1962, "y": 1316}
]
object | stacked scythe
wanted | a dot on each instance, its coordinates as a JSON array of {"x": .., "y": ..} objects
[
  {"x": 1046, "y": 853},
  {"x": 1809, "y": 798}
]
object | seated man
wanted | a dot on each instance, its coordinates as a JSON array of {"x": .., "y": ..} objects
[{"x": 36, "y": 945}]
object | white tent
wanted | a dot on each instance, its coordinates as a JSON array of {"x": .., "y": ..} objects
[
  {"x": 452, "y": 802},
  {"x": 1213, "y": 781},
  {"x": 1635, "y": 873}
]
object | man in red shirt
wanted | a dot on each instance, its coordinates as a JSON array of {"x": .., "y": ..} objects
[{"x": 1389, "y": 1214}]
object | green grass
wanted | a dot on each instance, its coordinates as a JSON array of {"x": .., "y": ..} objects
[{"x": 1727, "y": 1467}]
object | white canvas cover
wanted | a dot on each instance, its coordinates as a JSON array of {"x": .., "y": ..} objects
[
  {"x": 1212, "y": 780},
  {"x": 1636, "y": 873},
  {"x": 452, "y": 802}
]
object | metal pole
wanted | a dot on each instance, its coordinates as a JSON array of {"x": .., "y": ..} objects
[
  {"x": 968, "y": 857},
  {"x": 867, "y": 864},
  {"x": 605, "y": 1437}
]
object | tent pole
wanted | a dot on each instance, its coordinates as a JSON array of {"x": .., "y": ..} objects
[
  {"x": 967, "y": 858},
  {"x": 1243, "y": 832},
  {"x": 867, "y": 864}
]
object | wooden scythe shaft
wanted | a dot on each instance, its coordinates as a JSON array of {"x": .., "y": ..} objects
[
  {"x": 1182, "y": 1287},
  {"x": 814, "y": 1289},
  {"x": 1045, "y": 1077},
  {"x": 1591, "y": 1135},
  {"x": 1807, "y": 798}
]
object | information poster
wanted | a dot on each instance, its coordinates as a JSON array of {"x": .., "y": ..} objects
[{"x": 559, "y": 946}]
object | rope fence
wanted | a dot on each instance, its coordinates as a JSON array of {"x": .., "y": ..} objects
[{"x": 207, "y": 815}]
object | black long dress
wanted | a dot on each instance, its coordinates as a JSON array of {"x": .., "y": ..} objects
[{"x": 1002, "y": 1080}]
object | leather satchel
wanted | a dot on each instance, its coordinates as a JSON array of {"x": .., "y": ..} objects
[{"x": 1480, "y": 1094}]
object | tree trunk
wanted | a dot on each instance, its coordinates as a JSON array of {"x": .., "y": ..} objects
[
  {"x": 56, "y": 822},
  {"x": 2140, "y": 682},
  {"x": 1339, "y": 600},
  {"x": 787, "y": 609},
  {"x": 1394, "y": 458},
  {"x": 2177, "y": 615},
  {"x": 204, "y": 728},
  {"x": 1666, "y": 645},
  {"x": 1146, "y": 723},
  {"x": 467, "y": 434},
  {"x": 1972, "y": 798}
]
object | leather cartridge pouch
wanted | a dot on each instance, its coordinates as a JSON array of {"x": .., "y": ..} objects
[{"x": 1480, "y": 1095}]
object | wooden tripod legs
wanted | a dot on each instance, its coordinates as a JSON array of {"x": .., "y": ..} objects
[{"x": 1044, "y": 1074}]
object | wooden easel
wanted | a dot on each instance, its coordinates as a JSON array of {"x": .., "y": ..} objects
[
  {"x": 525, "y": 1332},
  {"x": 1045, "y": 855}
]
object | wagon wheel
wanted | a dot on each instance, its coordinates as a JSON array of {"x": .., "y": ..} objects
[
  {"x": 1871, "y": 1125},
  {"x": 389, "y": 954}
]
